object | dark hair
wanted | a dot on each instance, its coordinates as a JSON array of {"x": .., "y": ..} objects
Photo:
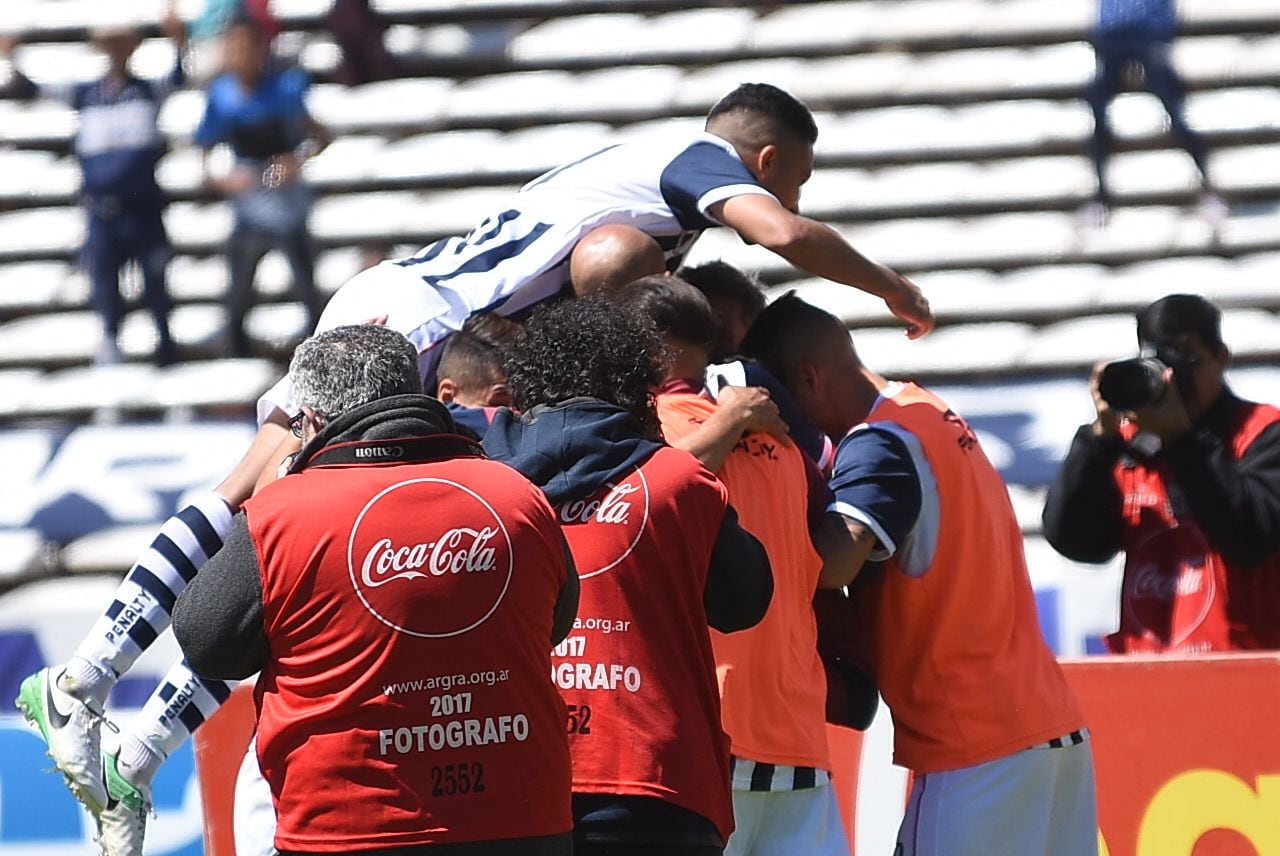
[
  {"x": 721, "y": 279},
  {"x": 1170, "y": 318},
  {"x": 789, "y": 332},
  {"x": 674, "y": 307},
  {"x": 777, "y": 105},
  {"x": 242, "y": 20},
  {"x": 471, "y": 362},
  {"x": 588, "y": 347},
  {"x": 493, "y": 329}
]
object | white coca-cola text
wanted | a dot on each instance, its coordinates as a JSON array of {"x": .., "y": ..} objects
[
  {"x": 1150, "y": 582},
  {"x": 614, "y": 508},
  {"x": 457, "y": 551}
]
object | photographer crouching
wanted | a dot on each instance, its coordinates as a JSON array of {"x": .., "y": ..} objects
[{"x": 1184, "y": 477}]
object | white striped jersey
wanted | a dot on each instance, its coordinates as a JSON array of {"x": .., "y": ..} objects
[{"x": 519, "y": 256}]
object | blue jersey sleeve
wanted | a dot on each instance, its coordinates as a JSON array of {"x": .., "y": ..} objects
[
  {"x": 875, "y": 482},
  {"x": 699, "y": 177}
]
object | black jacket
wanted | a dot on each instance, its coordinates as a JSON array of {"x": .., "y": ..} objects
[{"x": 1235, "y": 503}]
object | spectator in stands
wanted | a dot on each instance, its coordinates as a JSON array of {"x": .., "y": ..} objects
[
  {"x": 661, "y": 556},
  {"x": 1187, "y": 484},
  {"x": 261, "y": 112},
  {"x": 358, "y": 29},
  {"x": 736, "y": 299},
  {"x": 773, "y": 686},
  {"x": 982, "y": 713},
  {"x": 1135, "y": 36},
  {"x": 343, "y": 731},
  {"x": 118, "y": 145}
]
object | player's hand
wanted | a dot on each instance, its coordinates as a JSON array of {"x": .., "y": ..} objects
[
  {"x": 1108, "y": 421},
  {"x": 754, "y": 410},
  {"x": 8, "y": 43},
  {"x": 908, "y": 302}
]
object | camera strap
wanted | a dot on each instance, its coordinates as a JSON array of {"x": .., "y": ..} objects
[{"x": 407, "y": 450}]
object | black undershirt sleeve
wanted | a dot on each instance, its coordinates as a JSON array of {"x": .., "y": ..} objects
[
  {"x": 739, "y": 583},
  {"x": 218, "y": 617},
  {"x": 1083, "y": 510},
  {"x": 1236, "y": 503}
]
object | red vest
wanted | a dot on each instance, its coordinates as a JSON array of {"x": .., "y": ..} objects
[
  {"x": 408, "y": 610},
  {"x": 637, "y": 671},
  {"x": 1179, "y": 594}
]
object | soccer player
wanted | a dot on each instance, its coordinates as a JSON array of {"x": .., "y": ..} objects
[
  {"x": 661, "y": 556},
  {"x": 471, "y": 380},
  {"x": 982, "y": 713},
  {"x": 744, "y": 171},
  {"x": 773, "y": 688}
]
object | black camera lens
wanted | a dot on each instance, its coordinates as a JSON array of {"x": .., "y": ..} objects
[{"x": 1129, "y": 384}]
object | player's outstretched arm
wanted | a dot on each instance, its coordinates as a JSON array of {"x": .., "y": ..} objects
[{"x": 821, "y": 251}]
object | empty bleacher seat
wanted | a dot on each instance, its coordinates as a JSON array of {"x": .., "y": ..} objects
[
  {"x": 84, "y": 390},
  {"x": 215, "y": 383},
  {"x": 50, "y": 339}
]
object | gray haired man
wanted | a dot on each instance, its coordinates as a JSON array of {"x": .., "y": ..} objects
[{"x": 391, "y": 552}]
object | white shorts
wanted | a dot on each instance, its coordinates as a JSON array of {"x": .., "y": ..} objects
[
  {"x": 253, "y": 813},
  {"x": 422, "y": 314},
  {"x": 787, "y": 823},
  {"x": 1038, "y": 802}
]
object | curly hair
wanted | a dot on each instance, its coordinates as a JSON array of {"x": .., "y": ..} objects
[{"x": 588, "y": 347}]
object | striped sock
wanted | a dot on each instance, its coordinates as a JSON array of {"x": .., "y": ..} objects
[
  {"x": 141, "y": 609},
  {"x": 179, "y": 706}
]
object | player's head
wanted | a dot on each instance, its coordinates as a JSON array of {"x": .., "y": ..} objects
[
  {"x": 347, "y": 367},
  {"x": 612, "y": 256},
  {"x": 811, "y": 352},
  {"x": 773, "y": 133},
  {"x": 471, "y": 371},
  {"x": 679, "y": 313},
  {"x": 244, "y": 49},
  {"x": 735, "y": 298},
  {"x": 588, "y": 348}
]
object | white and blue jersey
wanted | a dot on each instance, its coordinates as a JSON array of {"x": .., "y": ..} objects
[{"x": 519, "y": 256}]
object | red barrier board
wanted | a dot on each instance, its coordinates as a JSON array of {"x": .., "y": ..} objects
[{"x": 1187, "y": 753}]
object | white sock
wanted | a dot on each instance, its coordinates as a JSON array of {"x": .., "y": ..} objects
[{"x": 87, "y": 681}]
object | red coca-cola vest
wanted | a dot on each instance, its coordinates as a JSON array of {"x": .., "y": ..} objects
[
  {"x": 1179, "y": 594},
  {"x": 408, "y": 609},
  {"x": 637, "y": 671}
]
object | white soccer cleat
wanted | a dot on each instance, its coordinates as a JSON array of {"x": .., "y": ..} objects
[
  {"x": 72, "y": 730},
  {"x": 122, "y": 826}
]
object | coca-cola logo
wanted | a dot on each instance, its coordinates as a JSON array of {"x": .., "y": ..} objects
[
  {"x": 430, "y": 557},
  {"x": 604, "y": 528},
  {"x": 1169, "y": 585}
]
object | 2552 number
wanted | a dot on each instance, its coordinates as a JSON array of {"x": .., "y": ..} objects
[
  {"x": 457, "y": 779},
  {"x": 579, "y": 718}
]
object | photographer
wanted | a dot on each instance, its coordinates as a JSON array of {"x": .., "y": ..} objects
[{"x": 1185, "y": 478}]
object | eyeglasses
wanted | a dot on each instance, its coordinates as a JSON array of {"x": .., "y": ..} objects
[{"x": 295, "y": 423}]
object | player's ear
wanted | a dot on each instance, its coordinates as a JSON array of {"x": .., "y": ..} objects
[
  {"x": 807, "y": 373},
  {"x": 446, "y": 390},
  {"x": 767, "y": 160}
]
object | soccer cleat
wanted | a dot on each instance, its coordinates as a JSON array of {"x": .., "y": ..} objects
[
  {"x": 123, "y": 825},
  {"x": 72, "y": 730}
]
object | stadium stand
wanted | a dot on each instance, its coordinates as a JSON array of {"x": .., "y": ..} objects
[{"x": 952, "y": 147}]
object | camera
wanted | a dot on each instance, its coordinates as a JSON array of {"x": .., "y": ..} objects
[{"x": 1133, "y": 383}]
